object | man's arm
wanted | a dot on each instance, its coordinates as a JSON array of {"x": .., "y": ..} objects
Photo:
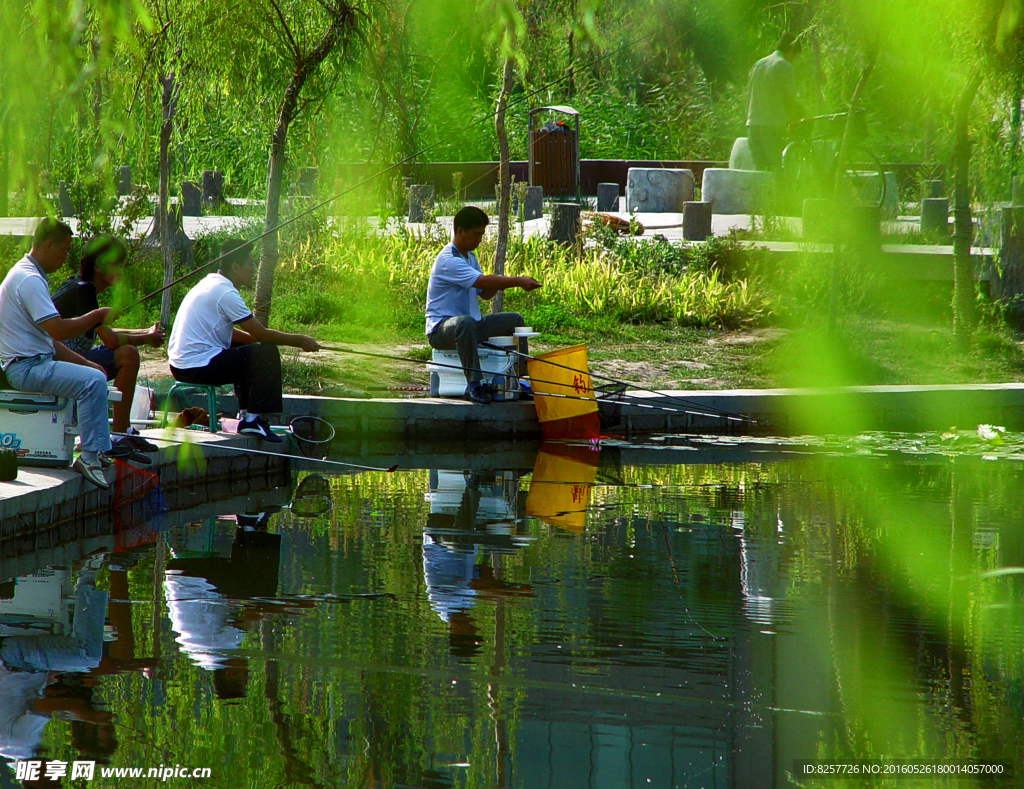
[
  {"x": 65, "y": 328},
  {"x": 261, "y": 333},
  {"x": 115, "y": 338},
  {"x": 492, "y": 283}
]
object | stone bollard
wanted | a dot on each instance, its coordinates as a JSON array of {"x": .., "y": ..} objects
[
  {"x": 421, "y": 202},
  {"x": 191, "y": 199},
  {"x": 696, "y": 221},
  {"x": 1010, "y": 284},
  {"x": 864, "y": 227},
  {"x": 123, "y": 186},
  {"x": 935, "y": 216},
  {"x": 607, "y": 197},
  {"x": 934, "y": 188},
  {"x": 1017, "y": 190},
  {"x": 306, "y": 185},
  {"x": 818, "y": 219},
  {"x": 213, "y": 187},
  {"x": 565, "y": 223},
  {"x": 533, "y": 203},
  {"x": 658, "y": 190},
  {"x": 64, "y": 205}
]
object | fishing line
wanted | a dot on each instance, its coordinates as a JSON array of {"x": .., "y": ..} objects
[{"x": 268, "y": 454}]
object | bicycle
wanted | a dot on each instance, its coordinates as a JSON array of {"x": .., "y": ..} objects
[{"x": 809, "y": 162}]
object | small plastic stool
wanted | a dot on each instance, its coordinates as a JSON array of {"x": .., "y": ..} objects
[{"x": 211, "y": 400}]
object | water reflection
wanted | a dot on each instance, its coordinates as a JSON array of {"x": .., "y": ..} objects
[{"x": 555, "y": 619}]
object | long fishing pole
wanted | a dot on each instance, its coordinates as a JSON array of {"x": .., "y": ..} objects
[
  {"x": 269, "y": 454},
  {"x": 525, "y": 97},
  {"x": 459, "y": 367},
  {"x": 719, "y": 412}
]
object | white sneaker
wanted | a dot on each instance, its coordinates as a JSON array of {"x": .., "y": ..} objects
[{"x": 92, "y": 472}]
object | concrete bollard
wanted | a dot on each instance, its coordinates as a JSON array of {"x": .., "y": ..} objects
[
  {"x": 306, "y": 185},
  {"x": 213, "y": 187},
  {"x": 864, "y": 227},
  {"x": 421, "y": 202},
  {"x": 1010, "y": 284},
  {"x": 1017, "y": 190},
  {"x": 818, "y": 219},
  {"x": 191, "y": 199},
  {"x": 934, "y": 189},
  {"x": 607, "y": 197},
  {"x": 696, "y": 221},
  {"x": 565, "y": 223},
  {"x": 65, "y": 207},
  {"x": 935, "y": 216},
  {"x": 533, "y": 203},
  {"x": 123, "y": 186},
  {"x": 658, "y": 190}
]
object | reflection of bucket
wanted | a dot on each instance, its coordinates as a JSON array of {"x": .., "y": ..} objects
[
  {"x": 572, "y": 411},
  {"x": 560, "y": 488}
]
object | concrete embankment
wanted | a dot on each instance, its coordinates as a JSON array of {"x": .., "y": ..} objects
[
  {"x": 45, "y": 506},
  {"x": 726, "y": 412}
]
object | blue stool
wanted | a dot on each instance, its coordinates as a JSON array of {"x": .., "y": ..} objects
[{"x": 211, "y": 400}]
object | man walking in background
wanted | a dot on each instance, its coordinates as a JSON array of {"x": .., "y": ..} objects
[{"x": 772, "y": 104}]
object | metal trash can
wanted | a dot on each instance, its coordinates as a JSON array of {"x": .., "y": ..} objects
[{"x": 555, "y": 153}]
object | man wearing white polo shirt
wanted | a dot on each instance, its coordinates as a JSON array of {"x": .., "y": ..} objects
[
  {"x": 206, "y": 348},
  {"x": 34, "y": 362}
]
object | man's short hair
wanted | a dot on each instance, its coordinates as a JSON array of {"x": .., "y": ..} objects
[
  {"x": 50, "y": 229},
  {"x": 788, "y": 44},
  {"x": 234, "y": 251},
  {"x": 470, "y": 217},
  {"x": 101, "y": 251}
]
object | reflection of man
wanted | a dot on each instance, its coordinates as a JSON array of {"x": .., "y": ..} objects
[{"x": 772, "y": 104}]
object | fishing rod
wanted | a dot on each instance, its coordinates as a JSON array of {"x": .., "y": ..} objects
[
  {"x": 269, "y": 454},
  {"x": 459, "y": 367},
  {"x": 721, "y": 413},
  {"x": 525, "y": 97}
]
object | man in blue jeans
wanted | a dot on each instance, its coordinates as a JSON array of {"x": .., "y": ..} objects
[
  {"x": 34, "y": 359},
  {"x": 453, "y": 314}
]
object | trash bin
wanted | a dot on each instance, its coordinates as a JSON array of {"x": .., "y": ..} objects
[{"x": 555, "y": 152}]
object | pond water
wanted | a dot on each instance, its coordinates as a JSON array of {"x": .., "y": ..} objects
[{"x": 700, "y": 616}]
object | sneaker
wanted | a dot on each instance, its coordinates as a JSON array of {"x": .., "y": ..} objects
[
  {"x": 260, "y": 428},
  {"x": 478, "y": 394},
  {"x": 124, "y": 449},
  {"x": 93, "y": 473},
  {"x": 142, "y": 445}
]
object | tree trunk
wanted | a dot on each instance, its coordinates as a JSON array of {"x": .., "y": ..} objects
[
  {"x": 963, "y": 229},
  {"x": 504, "y": 180},
  {"x": 168, "y": 103},
  {"x": 5, "y": 165}
]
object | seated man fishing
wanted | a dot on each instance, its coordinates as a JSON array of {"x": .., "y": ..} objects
[
  {"x": 205, "y": 348},
  {"x": 34, "y": 362},
  {"x": 453, "y": 313},
  {"x": 98, "y": 270}
]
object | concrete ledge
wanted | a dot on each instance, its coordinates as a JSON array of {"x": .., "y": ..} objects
[{"x": 55, "y": 497}]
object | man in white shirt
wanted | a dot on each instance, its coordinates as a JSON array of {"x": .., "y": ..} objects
[
  {"x": 453, "y": 314},
  {"x": 772, "y": 104},
  {"x": 34, "y": 362},
  {"x": 206, "y": 348}
]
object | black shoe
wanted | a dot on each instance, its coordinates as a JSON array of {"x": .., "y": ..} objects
[
  {"x": 123, "y": 449},
  {"x": 260, "y": 428},
  {"x": 477, "y": 394},
  {"x": 139, "y": 443}
]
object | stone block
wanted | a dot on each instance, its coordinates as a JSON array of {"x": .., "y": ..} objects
[
  {"x": 934, "y": 188},
  {"x": 533, "y": 203},
  {"x": 607, "y": 197},
  {"x": 741, "y": 158},
  {"x": 213, "y": 187},
  {"x": 935, "y": 216},
  {"x": 658, "y": 190},
  {"x": 65, "y": 207},
  {"x": 123, "y": 186},
  {"x": 696, "y": 221},
  {"x": 306, "y": 185},
  {"x": 565, "y": 223},
  {"x": 738, "y": 191},
  {"x": 421, "y": 202},
  {"x": 191, "y": 198}
]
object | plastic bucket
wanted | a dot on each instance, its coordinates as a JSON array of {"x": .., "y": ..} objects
[{"x": 564, "y": 394}]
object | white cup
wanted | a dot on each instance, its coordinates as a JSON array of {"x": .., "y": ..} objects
[{"x": 524, "y": 330}]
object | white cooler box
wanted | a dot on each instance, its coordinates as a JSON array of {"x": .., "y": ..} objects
[
  {"x": 40, "y": 427},
  {"x": 450, "y": 380}
]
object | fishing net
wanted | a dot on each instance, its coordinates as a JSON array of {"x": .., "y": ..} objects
[
  {"x": 313, "y": 436},
  {"x": 312, "y": 498},
  {"x": 137, "y": 506}
]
